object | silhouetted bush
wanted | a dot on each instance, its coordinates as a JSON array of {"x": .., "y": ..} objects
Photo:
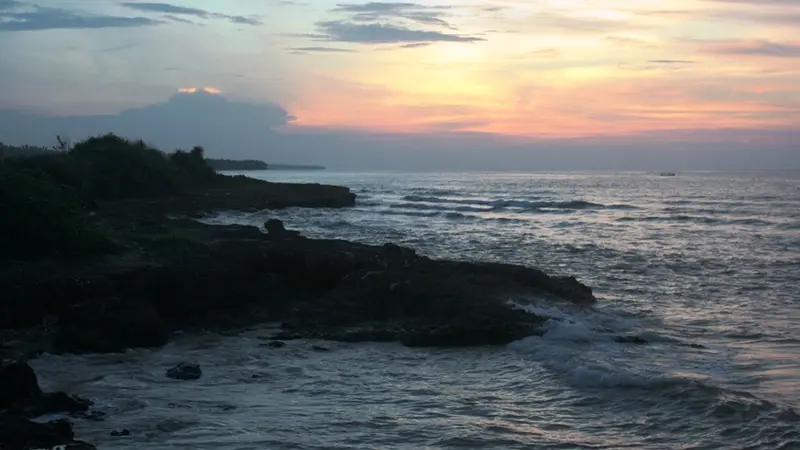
[
  {"x": 191, "y": 167},
  {"x": 40, "y": 218},
  {"x": 43, "y": 194},
  {"x": 109, "y": 167}
]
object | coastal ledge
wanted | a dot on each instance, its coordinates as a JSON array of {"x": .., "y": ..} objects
[
  {"x": 235, "y": 193},
  {"x": 180, "y": 274}
]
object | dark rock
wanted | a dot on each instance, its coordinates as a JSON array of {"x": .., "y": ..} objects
[
  {"x": 694, "y": 345},
  {"x": 110, "y": 325},
  {"x": 320, "y": 348},
  {"x": 630, "y": 340},
  {"x": 468, "y": 335},
  {"x": 185, "y": 371},
  {"x": 393, "y": 255},
  {"x": 275, "y": 228},
  {"x": 17, "y": 433},
  {"x": 123, "y": 432},
  {"x": 183, "y": 274},
  {"x": 57, "y": 402},
  {"x": 18, "y": 382},
  {"x": 274, "y": 344},
  {"x": 95, "y": 416},
  {"x": 287, "y": 336},
  {"x": 79, "y": 445}
]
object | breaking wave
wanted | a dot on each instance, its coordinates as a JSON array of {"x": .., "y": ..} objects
[{"x": 482, "y": 204}]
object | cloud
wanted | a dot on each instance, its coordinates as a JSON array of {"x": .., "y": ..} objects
[
  {"x": 670, "y": 61},
  {"x": 175, "y": 18},
  {"x": 234, "y": 129},
  {"x": 759, "y": 2},
  {"x": 9, "y": 4},
  {"x": 175, "y": 10},
  {"x": 391, "y": 22},
  {"x": 375, "y": 11},
  {"x": 583, "y": 23},
  {"x": 416, "y": 45},
  {"x": 624, "y": 40},
  {"x": 319, "y": 50},
  {"x": 200, "y": 116},
  {"x": 544, "y": 53},
  {"x": 45, "y": 18},
  {"x": 768, "y": 16},
  {"x": 343, "y": 31},
  {"x": 755, "y": 48},
  {"x": 117, "y": 48}
]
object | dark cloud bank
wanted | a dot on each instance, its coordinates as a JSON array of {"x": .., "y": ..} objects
[
  {"x": 245, "y": 130},
  {"x": 24, "y": 16}
]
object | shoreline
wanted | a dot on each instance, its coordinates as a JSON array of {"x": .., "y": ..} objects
[{"x": 176, "y": 274}]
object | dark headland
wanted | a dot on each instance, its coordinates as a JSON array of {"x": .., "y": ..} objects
[
  {"x": 100, "y": 252},
  {"x": 236, "y": 164}
]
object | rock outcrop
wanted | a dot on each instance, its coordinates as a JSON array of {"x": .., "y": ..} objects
[
  {"x": 186, "y": 274},
  {"x": 185, "y": 371},
  {"x": 21, "y": 399}
]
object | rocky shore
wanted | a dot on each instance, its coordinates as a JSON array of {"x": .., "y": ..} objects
[{"x": 173, "y": 273}]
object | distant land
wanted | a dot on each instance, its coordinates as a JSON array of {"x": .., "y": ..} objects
[
  {"x": 12, "y": 151},
  {"x": 294, "y": 167},
  {"x": 231, "y": 164},
  {"x": 252, "y": 164}
]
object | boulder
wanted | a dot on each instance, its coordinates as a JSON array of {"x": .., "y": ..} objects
[
  {"x": 274, "y": 344},
  {"x": 108, "y": 325},
  {"x": 275, "y": 228},
  {"x": 22, "y": 399},
  {"x": 56, "y": 402},
  {"x": 185, "y": 371},
  {"x": 17, "y": 433},
  {"x": 18, "y": 382}
]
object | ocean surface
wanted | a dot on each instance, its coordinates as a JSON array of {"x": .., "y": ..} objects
[{"x": 705, "y": 266}]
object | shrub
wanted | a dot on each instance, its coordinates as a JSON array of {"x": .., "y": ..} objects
[
  {"x": 109, "y": 167},
  {"x": 40, "y": 218}
]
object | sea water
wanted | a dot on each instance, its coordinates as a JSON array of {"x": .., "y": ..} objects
[{"x": 704, "y": 266}]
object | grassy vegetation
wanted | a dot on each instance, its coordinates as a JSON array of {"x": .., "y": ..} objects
[
  {"x": 41, "y": 218},
  {"x": 44, "y": 195}
]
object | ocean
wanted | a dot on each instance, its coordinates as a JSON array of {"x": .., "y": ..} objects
[{"x": 704, "y": 266}]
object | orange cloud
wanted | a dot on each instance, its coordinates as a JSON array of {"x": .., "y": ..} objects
[{"x": 192, "y": 90}]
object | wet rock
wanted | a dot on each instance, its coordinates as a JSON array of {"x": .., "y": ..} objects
[
  {"x": 123, "y": 432},
  {"x": 78, "y": 445},
  {"x": 274, "y": 344},
  {"x": 275, "y": 228},
  {"x": 320, "y": 348},
  {"x": 393, "y": 255},
  {"x": 185, "y": 371},
  {"x": 18, "y": 382},
  {"x": 57, "y": 402},
  {"x": 95, "y": 416},
  {"x": 694, "y": 345},
  {"x": 630, "y": 340},
  {"x": 108, "y": 325},
  {"x": 467, "y": 335},
  {"x": 197, "y": 275},
  {"x": 17, "y": 433}
]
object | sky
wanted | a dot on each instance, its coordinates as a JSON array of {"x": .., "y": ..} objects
[{"x": 425, "y": 84}]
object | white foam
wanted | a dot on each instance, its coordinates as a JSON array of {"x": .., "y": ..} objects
[
  {"x": 578, "y": 346},
  {"x": 566, "y": 330}
]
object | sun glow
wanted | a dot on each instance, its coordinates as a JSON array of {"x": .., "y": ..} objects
[{"x": 208, "y": 90}]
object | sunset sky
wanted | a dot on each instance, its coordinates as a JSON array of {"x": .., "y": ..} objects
[{"x": 517, "y": 68}]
